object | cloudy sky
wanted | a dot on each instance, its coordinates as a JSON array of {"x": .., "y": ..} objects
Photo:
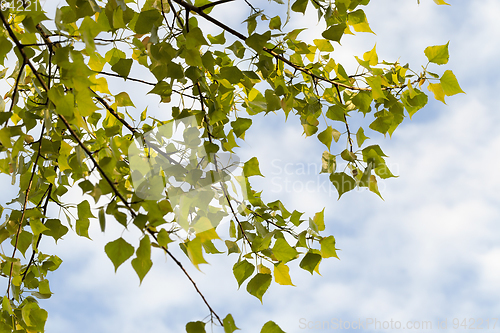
[{"x": 429, "y": 252}]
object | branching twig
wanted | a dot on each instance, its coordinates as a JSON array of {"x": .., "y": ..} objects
[
  {"x": 224, "y": 190},
  {"x": 200, "y": 12},
  {"x": 349, "y": 138}
]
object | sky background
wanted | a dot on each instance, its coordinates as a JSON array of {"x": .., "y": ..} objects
[{"x": 429, "y": 252}]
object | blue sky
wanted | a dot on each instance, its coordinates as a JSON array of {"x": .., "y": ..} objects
[{"x": 429, "y": 252}]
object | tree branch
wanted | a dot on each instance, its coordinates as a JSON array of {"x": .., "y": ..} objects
[
  {"x": 200, "y": 12},
  {"x": 209, "y": 5}
]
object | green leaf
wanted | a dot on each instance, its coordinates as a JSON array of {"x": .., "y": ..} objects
[
  {"x": 55, "y": 229},
  {"x": 273, "y": 101},
  {"x": 195, "y": 327},
  {"x": 232, "y": 74},
  {"x": 328, "y": 247},
  {"x": 44, "y": 288},
  {"x": 275, "y": 23},
  {"x": 415, "y": 102},
  {"x": 357, "y": 19},
  {"x": 371, "y": 56},
  {"x": 335, "y": 32},
  {"x": 283, "y": 251},
  {"x": 323, "y": 45},
  {"x": 348, "y": 156},
  {"x": 327, "y": 135},
  {"x": 33, "y": 316},
  {"x": 310, "y": 262},
  {"x": 257, "y": 41},
  {"x": 146, "y": 20},
  {"x": 319, "y": 220},
  {"x": 83, "y": 223},
  {"x": 238, "y": 49},
  {"x": 122, "y": 67},
  {"x": 295, "y": 218},
  {"x": 373, "y": 187},
  {"x": 240, "y": 125},
  {"x": 195, "y": 38},
  {"x": 328, "y": 162},
  {"x": 450, "y": 84},
  {"x": 375, "y": 83},
  {"x": 118, "y": 251},
  {"x": 164, "y": 238},
  {"x": 243, "y": 270},
  {"x": 251, "y": 168},
  {"x": 259, "y": 284},
  {"x": 5, "y": 47},
  {"x": 142, "y": 263},
  {"x": 219, "y": 39},
  {"x": 229, "y": 325},
  {"x": 438, "y": 54},
  {"x": 361, "y": 137},
  {"x": 300, "y": 6},
  {"x": 102, "y": 219},
  {"x": 271, "y": 327},
  {"x": 337, "y": 112},
  {"x": 282, "y": 274},
  {"x": 123, "y": 99},
  {"x": 342, "y": 182},
  {"x": 37, "y": 226},
  {"x": 195, "y": 252},
  {"x": 362, "y": 100},
  {"x": 6, "y": 306}
]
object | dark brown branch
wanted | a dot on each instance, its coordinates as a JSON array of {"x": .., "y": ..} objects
[
  {"x": 44, "y": 210},
  {"x": 30, "y": 183},
  {"x": 179, "y": 264},
  {"x": 176, "y": 16},
  {"x": 200, "y": 12},
  {"x": 209, "y": 5},
  {"x": 16, "y": 87},
  {"x": 144, "y": 82}
]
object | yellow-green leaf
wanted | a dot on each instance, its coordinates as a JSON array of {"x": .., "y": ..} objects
[
  {"x": 450, "y": 84},
  {"x": 438, "y": 91},
  {"x": 243, "y": 270},
  {"x": 342, "y": 182},
  {"x": 283, "y": 251},
  {"x": 375, "y": 83},
  {"x": 251, "y": 168},
  {"x": 328, "y": 247},
  {"x": 229, "y": 325},
  {"x": 118, "y": 251},
  {"x": 371, "y": 56},
  {"x": 438, "y": 54},
  {"x": 142, "y": 263},
  {"x": 282, "y": 274},
  {"x": 195, "y": 252},
  {"x": 271, "y": 327},
  {"x": 310, "y": 262},
  {"x": 259, "y": 284}
]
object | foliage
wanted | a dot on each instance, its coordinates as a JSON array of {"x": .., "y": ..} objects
[{"x": 61, "y": 127}]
